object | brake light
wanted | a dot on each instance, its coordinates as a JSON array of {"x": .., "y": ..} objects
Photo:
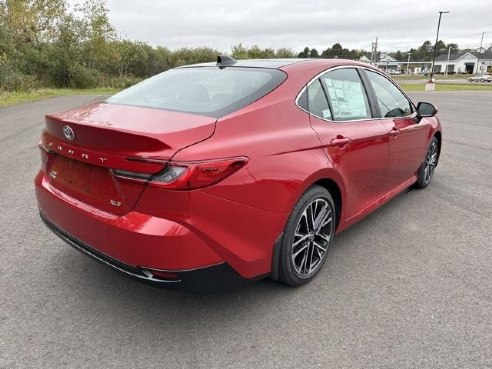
[
  {"x": 193, "y": 175},
  {"x": 187, "y": 175}
]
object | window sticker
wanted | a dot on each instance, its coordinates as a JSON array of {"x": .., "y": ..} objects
[
  {"x": 347, "y": 99},
  {"x": 327, "y": 114}
]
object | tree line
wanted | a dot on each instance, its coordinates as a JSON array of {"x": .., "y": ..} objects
[
  {"x": 48, "y": 43},
  {"x": 51, "y": 43},
  {"x": 422, "y": 53}
]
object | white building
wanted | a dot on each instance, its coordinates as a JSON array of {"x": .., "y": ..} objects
[
  {"x": 389, "y": 64},
  {"x": 465, "y": 62}
]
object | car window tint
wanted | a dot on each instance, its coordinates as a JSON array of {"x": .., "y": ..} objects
[
  {"x": 391, "y": 100},
  {"x": 347, "y": 95},
  {"x": 202, "y": 90},
  {"x": 317, "y": 103},
  {"x": 302, "y": 101}
]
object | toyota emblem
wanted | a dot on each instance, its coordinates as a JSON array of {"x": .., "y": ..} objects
[{"x": 68, "y": 132}]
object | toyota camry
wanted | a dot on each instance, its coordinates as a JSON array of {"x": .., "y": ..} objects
[{"x": 217, "y": 174}]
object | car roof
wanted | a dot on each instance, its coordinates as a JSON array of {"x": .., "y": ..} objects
[
  {"x": 255, "y": 63},
  {"x": 291, "y": 65}
]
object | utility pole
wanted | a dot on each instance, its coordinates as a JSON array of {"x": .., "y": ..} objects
[
  {"x": 435, "y": 45},
  {"x": 408, "y": 63},
  {"x": 479, "y": 52},
  {"x": 449, "y": 52},
  {"x": 376, "y": 50}
]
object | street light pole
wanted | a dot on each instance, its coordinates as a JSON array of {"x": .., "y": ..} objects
[
  {"x": 435, "y": 45},
  {"x": 447, "y": 64},
  {"x": 479, "y": 52},
  {"x": 408, "y": 63}
]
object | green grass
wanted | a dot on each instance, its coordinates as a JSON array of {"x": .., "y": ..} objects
[
  {"x": 14, "y": 98},
  {"x": 412, "y": 87},
  {"x": 438, "y": 77}
]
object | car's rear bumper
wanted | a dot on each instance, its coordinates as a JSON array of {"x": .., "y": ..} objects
[
  {"x": 212, "y": 278},
  {"x": 135, "y": 244}
]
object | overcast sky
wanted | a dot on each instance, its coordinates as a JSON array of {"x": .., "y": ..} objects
[{"x": 399, "y": 24}]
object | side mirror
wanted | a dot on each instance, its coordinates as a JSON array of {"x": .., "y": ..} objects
[{"x": 425, "y": 110}]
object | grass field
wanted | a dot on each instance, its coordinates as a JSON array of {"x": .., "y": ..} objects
[
  {"x": 14, "y": 98},
  {"x": 438, "y": 77},
  {"x": 412, "y": 87}
]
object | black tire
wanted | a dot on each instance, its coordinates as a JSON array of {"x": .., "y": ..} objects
[
  {"x": 300, "y": 244},
  {"x": 426, "y": 170}
]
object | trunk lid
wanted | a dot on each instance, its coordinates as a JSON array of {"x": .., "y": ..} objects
[{"x": 85, "y": 144}]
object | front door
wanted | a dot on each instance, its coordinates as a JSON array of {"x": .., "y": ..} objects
[{"x": 407, "y": 136}]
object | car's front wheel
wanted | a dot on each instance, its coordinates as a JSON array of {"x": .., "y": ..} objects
[
  {"x": 307, "y": 237},
  {"x": 427, "y": 168}
]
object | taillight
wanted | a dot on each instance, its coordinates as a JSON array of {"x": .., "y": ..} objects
[
  {"x": 188, "y": 175},
  {"x": 45, "y": 153},
  {"x": 193, "y": 175},
  {"x": 133, "y": 176}
]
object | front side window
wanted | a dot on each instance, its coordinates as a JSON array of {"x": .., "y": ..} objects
[
  {"x": 390, "y": 99},
  {"x": 346, "y": 94},
  {"x": 202, "y": 90}
]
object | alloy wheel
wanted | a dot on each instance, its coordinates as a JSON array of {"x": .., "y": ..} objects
[
  {"x": 312, "y": 237},
  {"x": 430, "y": 162}
]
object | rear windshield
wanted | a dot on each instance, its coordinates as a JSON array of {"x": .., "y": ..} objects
[{"x": 207, "y": 91}]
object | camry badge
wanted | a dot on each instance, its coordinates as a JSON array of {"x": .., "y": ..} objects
[{"x": 68, "y": 132}]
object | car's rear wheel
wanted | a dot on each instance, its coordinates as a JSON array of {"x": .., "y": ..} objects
[
  {"x": 307, "y": 236},
  {"x": 426, "y": 171}
]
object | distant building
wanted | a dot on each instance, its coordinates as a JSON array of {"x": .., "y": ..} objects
[
  {"x": 389, "y": 64},
  {"x": 364, "y": 59},
  {"x": 464, "y": 62}
]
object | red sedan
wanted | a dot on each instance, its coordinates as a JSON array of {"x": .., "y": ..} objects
[{"x": 219, "y": 173}]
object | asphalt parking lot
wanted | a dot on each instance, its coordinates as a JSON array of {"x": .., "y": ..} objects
[{"x": 410, "y": 286}]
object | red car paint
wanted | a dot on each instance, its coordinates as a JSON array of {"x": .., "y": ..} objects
[{"x": 237, "y": 220}]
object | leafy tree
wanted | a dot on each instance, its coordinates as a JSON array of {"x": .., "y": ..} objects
[
  {"x": 426, "y": 47},
  {"x": 305, "y": 53},
  {"x": 192, "y": 56},
  {"x": 32, "y": 21},
  {"x": 284, "y": 53},
  {"x": 454, "y": 48},
  {"x": 239, "y": 52},
  {"x": 314, "y": 53},
  {"x": 441, "y": 47},
  {"x": 398, "y": 56}
]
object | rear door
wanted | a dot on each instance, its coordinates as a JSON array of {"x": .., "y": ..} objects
[
  {"x": 356, "y": 143},
  {"x": 408, "y": 136}
]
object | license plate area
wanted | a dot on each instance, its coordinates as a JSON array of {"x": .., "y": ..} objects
[{"x": 91, "y": 184}]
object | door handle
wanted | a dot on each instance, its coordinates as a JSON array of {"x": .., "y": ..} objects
[
  {"x": 394, "y": 132},
  {"x": 340, "y": 141}
]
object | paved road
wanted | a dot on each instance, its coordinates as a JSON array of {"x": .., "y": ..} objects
[{"x": 408, "y": 287}]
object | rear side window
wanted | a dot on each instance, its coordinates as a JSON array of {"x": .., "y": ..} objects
[
  {"x": 391, "y": 101},
  {"x": 207, "y": 91},
  {"x": 316, "y": 101}
]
